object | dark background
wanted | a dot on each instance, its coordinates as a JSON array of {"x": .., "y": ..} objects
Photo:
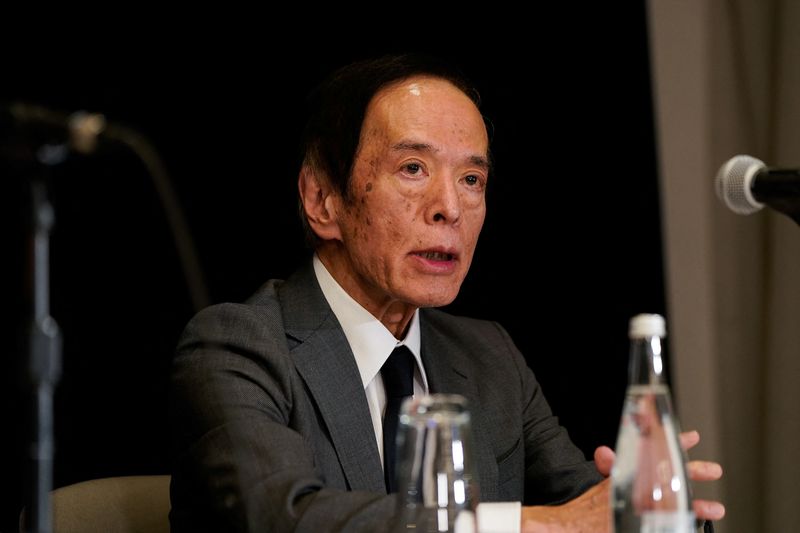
[{"x": 570, "y": 250}]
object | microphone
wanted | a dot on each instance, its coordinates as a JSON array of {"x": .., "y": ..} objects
[
  {"x": 745, "y": 184},
  {"x": 55, "y": 130},
  {"x": 44, "y": 136}
]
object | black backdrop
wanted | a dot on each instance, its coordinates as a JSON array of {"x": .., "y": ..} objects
[{"x": 570, "y": 250}]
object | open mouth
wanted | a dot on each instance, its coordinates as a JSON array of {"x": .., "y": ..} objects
[{"x": 436, "y": 256}]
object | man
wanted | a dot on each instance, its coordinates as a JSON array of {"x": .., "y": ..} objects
[{"x": 279, "y": 403}]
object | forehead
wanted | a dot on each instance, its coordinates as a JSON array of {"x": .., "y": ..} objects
[{"x": 427, "y": 107}]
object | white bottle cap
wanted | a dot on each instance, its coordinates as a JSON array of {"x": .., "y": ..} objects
[{"x": 645, "y": 325}]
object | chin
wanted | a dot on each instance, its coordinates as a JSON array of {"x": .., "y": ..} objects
[
  {"x": 428, "y": 291},
  {"x": 436, "y": 298}
]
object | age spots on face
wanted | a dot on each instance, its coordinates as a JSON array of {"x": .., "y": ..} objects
[
  {"x": 395, "y": 234},
  {"x": 369, "y": 186},
  {"x": 358, "y": 210}
]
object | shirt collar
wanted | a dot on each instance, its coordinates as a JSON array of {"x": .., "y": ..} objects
[{"x": 369, "y": 339}]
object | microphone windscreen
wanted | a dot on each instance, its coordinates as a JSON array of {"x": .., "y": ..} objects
[{"x": 734, "y": 182}]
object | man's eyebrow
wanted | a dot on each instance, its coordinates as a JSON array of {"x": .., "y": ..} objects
[
  {"x": 413, "y": 146},
  {"x": 480, "y": 161}
]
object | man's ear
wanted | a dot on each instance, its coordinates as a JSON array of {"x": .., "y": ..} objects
[{"x": 319, "y": 204}]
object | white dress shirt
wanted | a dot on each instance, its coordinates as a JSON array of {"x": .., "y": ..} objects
[{"x": 372, "y": 344}]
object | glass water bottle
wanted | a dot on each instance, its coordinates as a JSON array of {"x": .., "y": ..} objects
[{"x": 649, "y": 487}]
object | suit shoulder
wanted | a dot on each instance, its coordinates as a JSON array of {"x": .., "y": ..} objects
[
  {"x": 470, "y": 335},
  {"x": 266, "y": 295},
  {"x": 258, "y": 317},
  {"x": 262, "y": 302},
  {"x": 462, "y": 326}
]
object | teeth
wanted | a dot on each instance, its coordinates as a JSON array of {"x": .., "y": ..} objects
[{"x": 437, "y": 256}]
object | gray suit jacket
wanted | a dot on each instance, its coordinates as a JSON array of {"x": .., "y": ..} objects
[{"x": 272, "y": 432}]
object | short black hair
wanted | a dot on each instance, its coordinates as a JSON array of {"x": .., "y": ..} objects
[{"x": 337, "y": 107}]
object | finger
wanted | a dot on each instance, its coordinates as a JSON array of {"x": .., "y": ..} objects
[
  {"x": 604, "y": 460},
  {"x": 689, "y": 439},
  {"x": 708, "y": 510},
  {"x": 704, "y": 470}
]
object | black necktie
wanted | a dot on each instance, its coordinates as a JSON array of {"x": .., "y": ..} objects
[{"x": 398, "y": 380}]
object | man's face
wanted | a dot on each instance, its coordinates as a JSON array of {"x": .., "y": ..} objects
[{"x": 417, "y": 199}]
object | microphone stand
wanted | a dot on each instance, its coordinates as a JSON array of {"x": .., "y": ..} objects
[
  {"x": 43, "y": 368},
  {"x": 44, "y": 365}
]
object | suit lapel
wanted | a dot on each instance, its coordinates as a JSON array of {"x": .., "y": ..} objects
[
  {"x": 324, "y": 360},
  {"x": 450, "y": 371}
]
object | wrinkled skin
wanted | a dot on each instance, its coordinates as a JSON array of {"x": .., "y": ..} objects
[{"x": 404, "y": 235}]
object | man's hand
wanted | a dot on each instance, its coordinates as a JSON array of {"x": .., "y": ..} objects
[
  {"x": 697, "y": 470},
  {"x": 590, "y": 511},
  {"x": 703, "y": 471}
]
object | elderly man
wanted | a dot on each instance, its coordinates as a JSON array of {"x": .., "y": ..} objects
[{"x": 279, "y": 403}]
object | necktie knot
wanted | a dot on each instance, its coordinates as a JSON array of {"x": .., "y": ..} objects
[{"x": 398, "y": 373}]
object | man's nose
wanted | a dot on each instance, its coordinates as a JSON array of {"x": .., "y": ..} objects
[{"x": 445, "y": 202}]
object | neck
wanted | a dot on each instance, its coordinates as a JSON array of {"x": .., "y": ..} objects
[
  {"x": 394, "y": 314},
  {"x": 396, "y": 317}
]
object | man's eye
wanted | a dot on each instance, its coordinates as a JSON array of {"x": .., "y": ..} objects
[
  {"x": 413, "y": 168},
  {"x": 472, "y": 179}
]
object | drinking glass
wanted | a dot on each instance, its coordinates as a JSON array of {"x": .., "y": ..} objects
[{"x": 438, "y": 490}]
